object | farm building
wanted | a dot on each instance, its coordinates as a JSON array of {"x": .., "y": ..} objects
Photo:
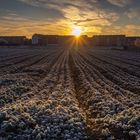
[
  {"x": 64, "y": 40},
  {"x": 12, "y": 40},
  {"x": 38, "y": 39},
  {"x": 108, "y": 40},
  {"x": 133, "y": 41}
]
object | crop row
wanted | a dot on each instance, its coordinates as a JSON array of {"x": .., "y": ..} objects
[{"x": 66, "y": 93}]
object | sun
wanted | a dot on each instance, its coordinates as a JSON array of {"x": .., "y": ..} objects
[{"x": 77, "y": 31}]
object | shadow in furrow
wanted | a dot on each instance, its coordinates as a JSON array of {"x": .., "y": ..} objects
[{"x": 89, "y": 120}]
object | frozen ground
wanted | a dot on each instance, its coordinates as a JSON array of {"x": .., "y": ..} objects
[{"x": 70, "y": 94}]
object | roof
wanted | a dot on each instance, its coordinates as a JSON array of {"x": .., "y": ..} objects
[
  {"x": 12, "y": 36},
  {"x": 109, "y": 36},
  {"x": 133, "y": 37},
  {"x": 40, "y": 35}
]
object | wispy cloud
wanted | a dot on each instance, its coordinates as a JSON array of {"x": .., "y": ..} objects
[
  {"x": 133, "y": 13},
  {"x": 90, "y": 15},
  {"x": 129, "y": 29},
  {"x": 79, "y": 13},
  {"x": 120, "y": 3}
]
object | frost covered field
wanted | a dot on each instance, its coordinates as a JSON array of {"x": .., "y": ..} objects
[{"x": 70, "y": 94}]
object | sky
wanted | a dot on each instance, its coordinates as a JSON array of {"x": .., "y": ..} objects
[{"x": 61, "y": 17}]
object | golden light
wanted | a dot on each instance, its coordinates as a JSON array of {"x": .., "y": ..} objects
[{"x": 77, "y": 31}]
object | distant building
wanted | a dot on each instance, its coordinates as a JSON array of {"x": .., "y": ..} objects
[
  {"x": 137, "y": 42},
  {"x": 133, "y": 41},
  {"x": 38, "y": 39},
  {"x": 12, "y": 40},
  {"x": 66, "y": 39},
  {"x": 98, "y": 40},
  {"x": 84, "y": 36},
  {"x": 108, "y": 40}
]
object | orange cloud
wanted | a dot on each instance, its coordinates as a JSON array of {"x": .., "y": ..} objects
[{"x": 88, "y": 15}]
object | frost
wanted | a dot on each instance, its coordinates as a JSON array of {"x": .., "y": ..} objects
[{"x": 88, "y": 93}]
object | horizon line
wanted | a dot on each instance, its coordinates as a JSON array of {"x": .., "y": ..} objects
[{"x": 70, "y": 35}]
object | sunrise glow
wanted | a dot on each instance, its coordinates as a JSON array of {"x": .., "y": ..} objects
[{"x": 77, "y": 31}]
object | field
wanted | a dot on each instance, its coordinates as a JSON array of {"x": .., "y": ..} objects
[{"x": 69, "y": 93}]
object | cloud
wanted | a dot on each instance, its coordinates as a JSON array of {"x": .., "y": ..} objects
[
  {"x": 56, "y": 4},
  {"x": 130, "y": 30},
  {"x": 13, "y": 18},
  {"x": 18, "y": 25},
  {"x": 120, "y": 3},
  {"x": 88, "y": 14},
  {"x": 133, "y": 13}
]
